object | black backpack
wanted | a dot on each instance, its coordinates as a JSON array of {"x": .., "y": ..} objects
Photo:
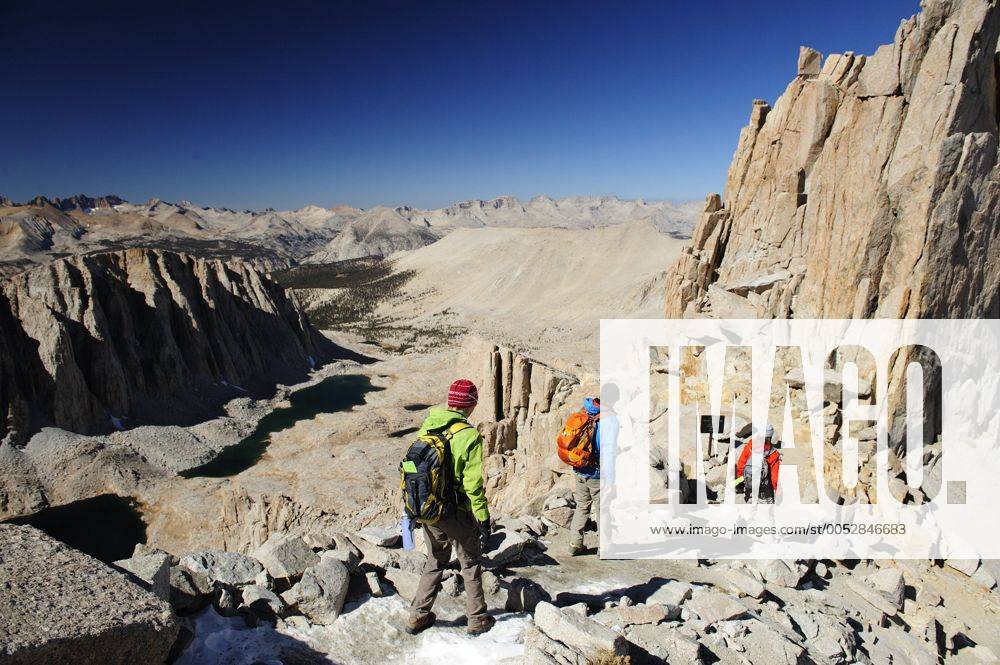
[{"x": 426, "y": 475}]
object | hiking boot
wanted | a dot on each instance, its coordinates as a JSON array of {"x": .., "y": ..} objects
[
  {"x": 576, "y": 550},
  {"x": 480, "y": 625},
  {"x": 416, "y": 625}
]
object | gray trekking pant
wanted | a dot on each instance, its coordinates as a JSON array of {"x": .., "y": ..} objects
[
  {"x": 459, "y": 528},
  {"x": 586, "y": 494}
]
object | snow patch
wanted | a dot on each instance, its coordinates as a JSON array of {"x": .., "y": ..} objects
[
  {"x": 349, "y": 639},
  {"x": 600, "y": 588},
  {"x": 503, "y": 644},
  {"x": 229, "y": 641},
  {"x": 233, "y": 385},
  {"x": 116, "y": 422}
]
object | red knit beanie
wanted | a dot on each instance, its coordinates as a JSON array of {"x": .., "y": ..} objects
[{"x": 462, "y": 394}]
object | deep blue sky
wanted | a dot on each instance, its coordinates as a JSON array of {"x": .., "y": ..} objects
[{"x": 287, "y": 103}]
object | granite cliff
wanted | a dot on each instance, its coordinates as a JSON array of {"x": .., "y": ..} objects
[
  {"x": 97, "y": 342},
  {"x": 869, "y": 189}
]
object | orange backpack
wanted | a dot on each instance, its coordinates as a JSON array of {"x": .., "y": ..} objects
[{"x": 575, "y": 444}]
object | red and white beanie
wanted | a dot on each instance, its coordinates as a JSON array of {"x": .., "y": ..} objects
[{"x": 462, "y": 394}]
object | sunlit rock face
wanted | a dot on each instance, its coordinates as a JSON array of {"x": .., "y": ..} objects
[{"x": 869, "y": 189}]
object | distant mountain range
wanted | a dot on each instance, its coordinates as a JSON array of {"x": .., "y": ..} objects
[{"x": 42, "y": 229}]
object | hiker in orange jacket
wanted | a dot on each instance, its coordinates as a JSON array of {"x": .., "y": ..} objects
[{"x": 769, "y": 472}]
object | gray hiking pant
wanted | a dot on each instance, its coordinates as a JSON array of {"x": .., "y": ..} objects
[
  {"x": 586, "y": 494},
  {"x": 459, "y": 528}
]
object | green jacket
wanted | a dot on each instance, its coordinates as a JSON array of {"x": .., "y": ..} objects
[{"x": 466, "y": 457}]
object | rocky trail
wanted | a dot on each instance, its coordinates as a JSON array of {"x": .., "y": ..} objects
[{"x": 296, "y": 559}]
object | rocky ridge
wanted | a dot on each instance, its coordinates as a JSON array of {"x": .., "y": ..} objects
[
  {"x": 41, "y": 229},
  {"x": 869, "y": 189},
  {"x": 101, "y": 342}
]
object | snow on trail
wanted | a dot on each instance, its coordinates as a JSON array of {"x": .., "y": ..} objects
[
  {"x": 503, "y": 644},
  {"x": 368, "y": 632}
]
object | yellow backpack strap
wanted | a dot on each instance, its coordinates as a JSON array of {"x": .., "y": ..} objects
[{"x": 456, "y": 428}]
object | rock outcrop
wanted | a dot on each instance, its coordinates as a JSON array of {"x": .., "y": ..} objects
[
  {"x": 61, "y": 606},
  {"x": 521, "y": 410},
  {"x": 100, "y": 342},
  {"x": 870, "y": 189}
]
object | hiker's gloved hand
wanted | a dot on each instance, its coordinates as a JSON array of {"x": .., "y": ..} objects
[{"x": 485, "y": 531}]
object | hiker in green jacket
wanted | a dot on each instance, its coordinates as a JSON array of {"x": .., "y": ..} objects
[{"x": 466, "y": 527}]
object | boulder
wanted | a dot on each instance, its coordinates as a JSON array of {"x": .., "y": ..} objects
[
  {"x": 321, "y": 539},
  {"x": 142, "y": 549},
  {"x": 985, "y": 578},
  {"x": 189, "y": 590},
  {"x": 540, "y": 649},
  {"x": 404, "y": 581},
  {"x": 509, "y": 523},
  {"x": 261, "y": 601},
  {"x": 153, "y": 571},
  {"x": 412, "y": 560},
  {"x": 829, "y": 638},
  {"x": 558, "y": 501},
  {"x": 381, "y": 536},
  {"x": 373, "y": 583},
  {"x": 889, "y": 583},
  {"x": 665, "y": 643},
  {"x": 230, "y": 568},
  {"x": 534, "y": 525},
  {"x": 524, "y": 595},
  {"x": 781, "y": 572},
  {"x": 452, "y": 586},
  {"x": 871, "y": 596},
  {"x": 320, "y": 594},
  {"x": 59, "y": 605},
  {"x": 344, "y": 551},
  {"x": 225, "y": 600},
  {"x": 965, "y": 566},
  {"x": 927, "y": 597},
  {"x": 491, "y": 583},
  {"x": 263, "y": 579},
  {"x": 713, "y": 606},
  {"x": 647, "y": 613},
  {"x": 743, "y": 583},
  {"x": 506, "y": 546},
  {"x": 373, "y": 555},
  {"x": 897, "y": 646},
  {"x": 672, "y": 594},
  {"x": 578, "y": 633},
  {"x": 561, "y": 516},
  {"x": 285, "y": 557},
  {"x": 761, "y": 643}
]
